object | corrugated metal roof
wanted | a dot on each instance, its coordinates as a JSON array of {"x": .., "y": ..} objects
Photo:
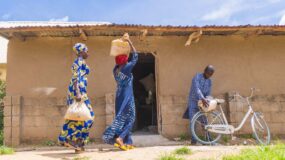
[
  {"x": 24, "y": 24},
  {"x": 28, "y": 29}
]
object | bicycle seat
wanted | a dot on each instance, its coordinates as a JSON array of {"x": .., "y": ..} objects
[{"x": 220, "y": 101}]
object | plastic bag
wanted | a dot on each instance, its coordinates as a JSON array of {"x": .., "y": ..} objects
[{"x": 78, "y": 111}]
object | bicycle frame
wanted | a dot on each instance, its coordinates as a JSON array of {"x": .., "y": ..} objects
[{"x": 226, "y": 128}]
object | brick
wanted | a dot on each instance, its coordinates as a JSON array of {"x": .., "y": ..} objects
[
  {"x": 7, "y": 133},
  {"x": 240, "y": 107},
  {"x": 109, "y": 119},
  {"x": 100, "y": 110},
  {"x": 271, "y": 107},
  {"x": 32, "y": 132},
  {"x": 282, "y": 107},
  {"x": 27, "y": 101},
  {"x": 7, "y": 101},
  {"x": 232, "y": 106},
  {"x": 14, "y": 110},
  {"x": 172, "y": 131},
  {"x": 100, "y": 120},
  {"x": 174, "y": 120},
  {"x": 51, "y": 111},
  {"x": 51, "y": 101},
  {"x": 110, "y": 109},
  {"x": 276, "y": 128},
  {"x": 35, "y": 121},
  {"x": 61, "y": 101},
  {"x": 16, "y": 100},
  {"x": 101, "y": 101},
  {"x": 29, "y": 110},
  {"x": 97, "y": 131},
  {"x": 179, "y": 100},
  {"x": 110, "y": 98},
  {"x": 233, "y": 117},
  {"x": 278, "y": 117},
  {"x": 267, "y": 117},
  {"x": 166, "y": 99}
]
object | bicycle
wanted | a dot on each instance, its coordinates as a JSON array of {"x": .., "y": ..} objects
[{"x": 213, "y": 124}]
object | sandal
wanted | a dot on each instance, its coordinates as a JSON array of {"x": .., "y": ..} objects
[
  {"x": 122, "y": 147},
  {"x": 130, "y": 147},
  {"x": 78, "y": 151}
]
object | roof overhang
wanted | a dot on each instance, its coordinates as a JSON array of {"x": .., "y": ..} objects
[{"x": 25, "y": 30}]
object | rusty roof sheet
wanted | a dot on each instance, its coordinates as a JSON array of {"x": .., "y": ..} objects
[{"x": 67, "y": 29}]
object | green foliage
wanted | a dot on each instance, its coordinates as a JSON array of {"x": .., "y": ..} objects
[
  {"x": 6, "y": 150},
  {"x": 49, "y": 143},
  {"x": 81, "y": 158},
  {"x": 1, "y": 137},
  {"x": 183, "y": 151},
  {"x": 183, "y": 137},
  {"x": 170, "y": 157},
  {"x": 246, "y": 136},
  {"x": 2, "y": 90},
  {"x": 2, "y": 95},
  {"x": 225, "y": 138},
  {"x": 274, "y": 152}
]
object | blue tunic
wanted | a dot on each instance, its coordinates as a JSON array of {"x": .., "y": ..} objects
[
  {"x": 124, "y": 104},
  {"x": 200, "y": 88}
]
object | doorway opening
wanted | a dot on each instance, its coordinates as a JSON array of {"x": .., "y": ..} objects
[{"x": 145, "y": 94}]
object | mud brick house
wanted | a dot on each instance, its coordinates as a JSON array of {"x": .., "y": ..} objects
[{"x": 40, "y": 56}]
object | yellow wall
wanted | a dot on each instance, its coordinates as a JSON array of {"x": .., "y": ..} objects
[
  {"x": 40, "y": 67},
  {"x": 240, "y": 64}
]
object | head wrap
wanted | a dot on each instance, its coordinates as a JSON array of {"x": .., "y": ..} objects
[
  {"x": 80, "y": 47},
  {"x": 121, "y": 59}
]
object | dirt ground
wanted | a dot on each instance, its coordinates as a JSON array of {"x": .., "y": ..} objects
[{"x": 143, "y": 153}]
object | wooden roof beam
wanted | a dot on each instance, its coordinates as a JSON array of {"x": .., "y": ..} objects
[
  {"x": 19, "y": 36},
  {"x": 83, "y": 35}
]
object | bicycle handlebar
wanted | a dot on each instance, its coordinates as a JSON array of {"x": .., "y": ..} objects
[{"x": 251, "y": 94}]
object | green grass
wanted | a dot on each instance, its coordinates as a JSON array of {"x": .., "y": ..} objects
[
  {"x": 1, "y": 137},
  {"x": 183, "y": 151},
  {"x": 245, "y": 136},
  {"x": 225, "y": 138},
  {"x": 49, "y": 143},
  {"x": 81, "y": 158},
  {"x": 6, "y": 150},
  {"x": 275, "y": 152},
  {"x": 170, "y": 157},
  {"x": 183, "y": 137}
]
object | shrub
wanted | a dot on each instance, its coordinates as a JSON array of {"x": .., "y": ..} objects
[
  {"x": 183, "y": 151},
  {"x": 6, "y": 150},
  {"x": 170, "y": 157},
  {"x": 274, "y": 152}
]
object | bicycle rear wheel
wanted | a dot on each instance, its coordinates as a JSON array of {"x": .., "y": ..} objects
[
  {"x": 198, "y": 130},
  {"x": 260, "y": 129}
]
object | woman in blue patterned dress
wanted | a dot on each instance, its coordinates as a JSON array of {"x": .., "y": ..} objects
[
  {"x": 119, "y": 132},
  {"x": 76, "y": 133}
]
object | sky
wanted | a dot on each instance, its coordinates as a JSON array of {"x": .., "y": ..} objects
[{"x": 147, "y": 12}]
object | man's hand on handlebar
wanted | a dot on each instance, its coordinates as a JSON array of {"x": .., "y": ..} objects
[{"x": 205, "y": 103}]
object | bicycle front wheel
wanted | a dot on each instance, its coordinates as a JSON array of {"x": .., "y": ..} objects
[
  {"x": 260, "y": 129},
  {"x": 198, "y": 127}
]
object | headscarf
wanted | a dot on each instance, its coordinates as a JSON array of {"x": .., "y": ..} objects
[
  {"x": 80, "y": 47},
  {"x": 121, "y": 59}
]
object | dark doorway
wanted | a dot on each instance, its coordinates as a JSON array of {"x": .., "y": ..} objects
[{"x": 145, "y": 94}]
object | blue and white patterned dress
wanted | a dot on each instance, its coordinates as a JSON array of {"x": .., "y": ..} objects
[
  {"x": 77, "y": 132},
  {"x": 124, "y": 104}
]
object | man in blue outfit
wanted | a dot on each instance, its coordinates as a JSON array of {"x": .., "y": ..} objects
[{"x": 200, "y": 89}]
